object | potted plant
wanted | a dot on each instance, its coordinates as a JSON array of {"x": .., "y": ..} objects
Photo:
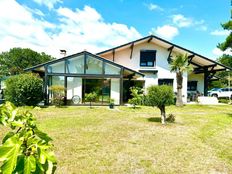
[{"x": 111, "y": 104}]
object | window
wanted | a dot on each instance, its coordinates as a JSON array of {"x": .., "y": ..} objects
[
  {"x": 111, "y": 69},
  {"x": 100, "y": 86},
  {"x": 76, "y": 65},
  {"x": 56, "y": 67},
  {"x": 93, "y": 65},
  {"x": 192, "y": 85},
  {"x": 147, "y": 58},
  {"x": 168, "y": 82}
]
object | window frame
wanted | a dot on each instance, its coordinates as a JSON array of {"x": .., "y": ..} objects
[
  {"x": 165, "y": 80},
  {"x": 189, "y": 87},
  {"x": 146, "y": 62}
]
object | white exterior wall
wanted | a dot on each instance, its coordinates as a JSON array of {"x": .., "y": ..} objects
[
  {"x": 115, "y": 91},
  {"x": 122, "y": 57}
]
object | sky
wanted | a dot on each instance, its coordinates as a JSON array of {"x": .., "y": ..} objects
[{"x": 96, "y": 25}]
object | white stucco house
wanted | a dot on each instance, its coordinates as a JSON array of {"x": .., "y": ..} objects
[{"x": 112, "y": 72}]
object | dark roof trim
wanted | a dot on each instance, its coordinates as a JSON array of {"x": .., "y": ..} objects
[
  {"x": 167, "y": 42},
  {"x": 78, "y": 54}
]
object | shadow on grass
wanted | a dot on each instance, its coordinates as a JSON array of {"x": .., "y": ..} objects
[
  {"x": 230, "y": 115},
  {"x": 134, "y": 108},
  {"x": 154, "y": 119}
]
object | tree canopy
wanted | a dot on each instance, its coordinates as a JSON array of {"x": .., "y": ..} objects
[
  {"x": 14, "y": 61},
  {"x": 227, "y": 44},
  {"x": 224, "y": 59}
]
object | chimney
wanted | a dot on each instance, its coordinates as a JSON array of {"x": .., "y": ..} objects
[{"x": 63, "y": 52}]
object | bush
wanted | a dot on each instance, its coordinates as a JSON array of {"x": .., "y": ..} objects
[
  {"x": 24, "y": 89},
  {"x": 171, "y": 118},
  {"x": 58, "y": 95},
  {"x": 137, "y": 96},
  {"x": 223, "y": 100},
  {"x": 90, "y": 97}
]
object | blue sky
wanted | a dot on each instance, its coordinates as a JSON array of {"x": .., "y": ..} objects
[{"x": 96, "y": 25}]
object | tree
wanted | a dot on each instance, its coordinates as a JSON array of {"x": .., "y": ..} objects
[
  {"x": 90, "y": 97},
  {"x": 223, "y": 75},
  {"x": 25, "y": 149},
  {"x": 137, "y": 96},
  {"x": 160, "y": 96},
  {"x": 180, "y": 65},
  {"x": 17, "y": 59},
  {"x": 24, "y": 89},
  {"x": 225, "y": 59},
  {"x": 227, "y": 44}
]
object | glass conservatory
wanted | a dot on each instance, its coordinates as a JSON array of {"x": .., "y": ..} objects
[{"x": 84, "y": 73}]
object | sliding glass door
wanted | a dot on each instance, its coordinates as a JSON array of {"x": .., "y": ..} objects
[{"x": 99, "y": 86}]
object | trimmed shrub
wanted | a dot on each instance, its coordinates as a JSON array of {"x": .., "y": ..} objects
[
  {"x": 24, "y": 89},
  {"x": 160, "y": 96}
]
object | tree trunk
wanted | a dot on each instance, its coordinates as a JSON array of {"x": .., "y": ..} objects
[
  {"x": 163, "y": 114},
  {"x": 179, "y": 79}
]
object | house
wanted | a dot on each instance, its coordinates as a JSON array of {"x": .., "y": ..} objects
[{"x": 111, "y": 73}]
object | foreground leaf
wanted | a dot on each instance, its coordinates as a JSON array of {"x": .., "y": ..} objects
[
  {"x": 9, "y": 151},
  {"x": 29, "y": 164}
]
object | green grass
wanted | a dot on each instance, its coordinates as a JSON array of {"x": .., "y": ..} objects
[{"x": 126, "y": 140}]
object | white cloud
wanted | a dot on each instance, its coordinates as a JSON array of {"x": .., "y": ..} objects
[
  {"x": 49, "y": 3},
  {"x": 87, "y": 30},
  {"x": 35, "y": 11},
  {"x": 220, "y": 33},
  {"x": 167, "y": 32},
  {"x": 153, "y": 7},
  {"x": 76, "y": 30},
  {"x": 183, "y": 22},
  {"x": 217, "y": 52},
  {"x": 202, "y": 28}
]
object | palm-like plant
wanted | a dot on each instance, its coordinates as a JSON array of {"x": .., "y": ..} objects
[{"x": 180, "y": 65}]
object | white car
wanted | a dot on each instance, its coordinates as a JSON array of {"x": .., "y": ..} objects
[{"x": 221, "y": 93}]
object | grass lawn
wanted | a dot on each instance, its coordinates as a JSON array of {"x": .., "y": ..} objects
[{"x": 126, "y": 140}]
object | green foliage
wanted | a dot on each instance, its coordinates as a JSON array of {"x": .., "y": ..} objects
[
  {"x": 24, "y": 89},
  {"x": 227, "y": 44},
  {"x": 160, "y": 96},
  {"x": 111, "y": 103},
  {"x": 14, "y": 61},
  {"x": 25, "y": 149},
  {"x": 223, "y": 100},
  {"x": 180, "y": 64},
  {"x": 58, "y": 95},
  {"x": 90, "y": 97},
  {"x": 223, "y": 75},
  {"x": 171, "y": 118},
  {"x": 137, "y": 96}
]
